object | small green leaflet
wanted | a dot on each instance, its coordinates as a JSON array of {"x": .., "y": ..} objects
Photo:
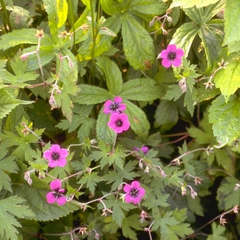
[
  {"x": 217, "y": 231},
  {"x": 137, "y": 44},
  {"x": 225, "y": 118},
  {"x": 10, "y": 208},
  {"x": 171, "y": 224},
  {"x": 232, "y": 15},
  {"x": 8, "y": 103},
  {"x": 112, "y": 74},
  {"x": 91, "y": 180},
  {"x": 62, "y": 11},
  {"x": 228, "y": 79},
  {"x": 191, "y": 3},
  {"x": 227, "y": 195}
]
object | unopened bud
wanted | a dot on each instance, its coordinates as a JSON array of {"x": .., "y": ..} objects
[{"x": 52, "y": 100}]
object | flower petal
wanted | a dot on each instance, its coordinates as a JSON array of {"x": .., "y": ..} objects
[
  {"x": 47, "y": 155},
  {"x": 55, "y": 184},
  {"x": 141, "y": 192},
  {"x": 122, "y": 107},
  {"x": 126, "y": 125},
  {"x": 127, "y": 188},
  {"x": 117, "y": 99},
  {"x": 180, "y": 52},
  {"x": 114, "y": 117},
  {"x": 50, "y": 198},
  {"x": 163, "y": 54},
  {"x": 55, "y": 148},
  {"x": 177, "y": 62},
  {"x": 135, "y": 184},
  {"x": 61, "y": 200},
  {"x": 171, "y": 48},
  {"x": 128, "y": 198},
  {"x": 61, "y": 162},
  {"x": 63, "y": 152},
  {"x": 166, "y": 63},
  {"x": 52, "y": 163},
  {"x": 136, "y": 200}
]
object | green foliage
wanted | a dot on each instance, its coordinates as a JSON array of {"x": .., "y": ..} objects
[
  {"x": 61, "y": 61},
  {"x": 12, "y": 208}
]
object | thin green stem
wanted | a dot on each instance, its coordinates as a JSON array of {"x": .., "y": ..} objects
[
  {"x": 5, "y": 19},
  {"x": 92, "y": 73}
]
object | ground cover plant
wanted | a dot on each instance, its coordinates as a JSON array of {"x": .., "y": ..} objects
[{"x": 119, "y": 119}]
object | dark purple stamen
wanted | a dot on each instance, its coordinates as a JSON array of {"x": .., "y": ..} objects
[
  {"x": 172, "y": 56},
  {"x": 134, "y": 192},
  {"x": 55, "y": 156},
  {"x": 119, "y": 123}
]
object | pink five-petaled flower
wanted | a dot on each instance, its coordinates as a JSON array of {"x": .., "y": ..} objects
[
  {"x": 144, "y": 149},
  {"x": 114, "y": 106},
  {"x": 134, "y": 192},
  {"x": 56, "y": 194},
  {"x": 56, "y": 156},
  {"x": 171, "y": 56},
  {"x": 119, "y": 122}
]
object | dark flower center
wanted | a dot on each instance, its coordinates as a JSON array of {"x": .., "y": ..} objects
[
  {"x": 119, "y": 123},
  {"x": 134, "y": 192},
  {"x": 114, "y": 106},
  {"x": 172, "y": 56},
  {"x": 55, "y": 156},
  {"x": 56, "y": 194}
]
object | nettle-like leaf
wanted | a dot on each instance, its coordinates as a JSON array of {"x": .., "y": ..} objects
[
  {"x": 231, "y": 15},
  {"x": 227, "y": 195},
  {"x": 7, "y": 165},
  {"x": 142, "y": 89},
  {"x": 90, "y": 179},
  {"x": 103, "y": 131},
  {"x": 137, "y": 44},
  {"x": 62, "y": 11},
  {"x": 8, "y": 103},
  {"x": 191, "y": 3},
  {"x": 166, "y": 115},
  {"x": 112, "y": 74},
  {"x": 35, "y": 195},
  {"x": 185, "y": 34},
  {"x": 91, "y": 95},
  {"x": 171, "y": 224},
  {"x": 11, "y": 208},
  {"x": 137, "y": 118},
  {"x": 228, "y": 79},
  {"x": 17, "y": 37},
  {"x": 225, "y": 118}
]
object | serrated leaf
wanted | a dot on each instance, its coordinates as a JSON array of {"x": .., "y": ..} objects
[
  {"x": 231, "y": 16},
  {"x": 10, "y": 208},
  {"x": 91, "y": 180},
  {"x": 211, "y": 45},
  {"x": 228, "y": 79},
  {"x": 185, "y": 35},
  {"x": 17, "y": 37},
  {"x": 225, "y": 118},
  {"x": 174, "y": 92},
  {"x": 35, "y": 195},
  {"x": 112, "y": 74},
  {"x": 142, "y": 89},
  {"x": 148, "y": 7},
  {"x": 137, "y": 118},
  {"x": 226, "y": 195},
  {"x": 8, "y": 103},
  {"x": 103, "y": 130},
  {"x": 217, "y": 231},
  {"x": 130, "y": 225},
  {"x": 191, "y": 3},
  {"x": 91, "y": 95},
  {"x": 166, "y": 115},
  {"x": 62, "y": 11},
  {"x": 137, "y": 44}
]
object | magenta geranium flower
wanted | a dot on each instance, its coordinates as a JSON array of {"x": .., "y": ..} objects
[
  {"x": 171, "y": 56},
  {"x": 56, "y": 194},
  {"x": 119, "y": 122},
  {"x": 144, "y": 149},
  {"x": 56, "y": 156},
  {"x": 115, "y": 106},
  {"x": 134, "y": 192}
]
